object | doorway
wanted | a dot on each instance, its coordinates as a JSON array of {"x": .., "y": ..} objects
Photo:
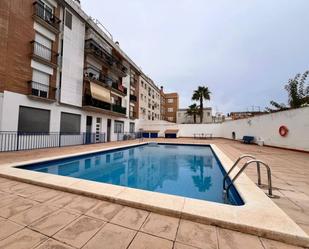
[
  {"x": 88, "y": 129},
  {"x": 108, "y": 130}
]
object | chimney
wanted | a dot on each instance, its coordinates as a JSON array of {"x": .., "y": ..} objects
[{"x": 117, "y": 43}]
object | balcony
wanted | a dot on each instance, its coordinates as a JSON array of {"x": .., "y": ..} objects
[
  {"x": 133, "y": 98},
  {"x": 93, "y": 48},
  {"x": 44, "y": 54},
  {"x": 96, "y": 105},
  {"x": 93, "y": 74},
  {"x": 119, "y": 88},
  {"x": 42, "y": 91},
  {"x": 45, "y": 16}
]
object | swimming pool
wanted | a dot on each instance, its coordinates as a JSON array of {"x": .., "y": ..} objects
[{"x": 184, "y": 170}]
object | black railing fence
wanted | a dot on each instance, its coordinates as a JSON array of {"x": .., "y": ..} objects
[
  {"x": 123, "y": 136},
  {"x": 14, "y": 141}
]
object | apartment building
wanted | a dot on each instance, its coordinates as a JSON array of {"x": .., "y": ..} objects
[
  {"x": 60, "y": 72},
  {"x": 169, "y": 106},
  {"x": 184, "y": 118},
  {"x": 149, "y": 99}
]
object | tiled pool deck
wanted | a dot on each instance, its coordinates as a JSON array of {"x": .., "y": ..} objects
[{"x": 34, "y": 216}]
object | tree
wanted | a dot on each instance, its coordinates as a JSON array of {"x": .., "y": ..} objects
[
  {"x": 298, "y": 93},
  {"x": 202, "y": 93},
  {"x": 193, "y": 111}
]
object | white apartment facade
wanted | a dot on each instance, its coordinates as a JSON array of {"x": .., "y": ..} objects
[
  {"x": 149, "y": 99},
  {"x": 184, "y": 118}
]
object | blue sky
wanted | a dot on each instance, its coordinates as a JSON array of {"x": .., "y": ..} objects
[{"x": 244, "y": 51}]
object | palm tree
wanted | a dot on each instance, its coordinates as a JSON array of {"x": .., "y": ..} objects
[
  {"x": 193, "y": 111},
  {"x": 200, "y": 94}
]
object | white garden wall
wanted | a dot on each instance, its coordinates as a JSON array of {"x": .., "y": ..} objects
[{"x": 264, "y": 127}]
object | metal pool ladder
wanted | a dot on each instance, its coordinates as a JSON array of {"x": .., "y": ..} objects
[{"x": 258, "y": 164}]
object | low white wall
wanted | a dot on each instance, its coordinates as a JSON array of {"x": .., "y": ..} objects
[{"x": 265, "y": 127}]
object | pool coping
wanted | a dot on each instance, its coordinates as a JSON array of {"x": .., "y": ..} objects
[{"x": 259, "y": 215}]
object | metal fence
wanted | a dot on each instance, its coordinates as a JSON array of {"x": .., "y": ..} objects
[
  {"x": 14, "y": 141},
  {"x": 128, "y": 136}
]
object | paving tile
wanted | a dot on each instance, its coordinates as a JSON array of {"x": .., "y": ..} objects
[
  {"x": 8, "y": 199},
  {"x": 130, "y": 217},
  {"x": 230, "y": 239},
  {"x": 45, "y": 195},
  {"x": 26, "y": 190},
  {"x": 82, "y": 204},
  {"x": 31, "y": 215},
  {"x": 79, "y": 232},
  {"x": 104, "y": 210},
  {"x": 271, "y": 244},
  {"x": 146, "y": 241},
  {"x": 62, "y": 200},
  {"x": 53, "y": 244},
  {"x": 112, "y": 237},
  {"x": 8, "y": 228},
  {"x": 197, "y": 235},
  {"x": 16, "y": 206},
  {"x": 54, "y": 222},
  {"x": 182, "y": 246},
  {"x": 23, "y": 239},
  {"x": 161, "y": 226}
]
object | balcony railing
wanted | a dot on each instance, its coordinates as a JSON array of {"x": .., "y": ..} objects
[
  {"x": 41, "y": 90},
  {"x": 119, "y": 87},
  {"x": 89, "y": 101},
  {"x": 120, "y": 68},
  {"x": 44, "y": 52},
  {"x": 46, "y": 15},
  {"x": 133, "y": 98},
  {"x": 119, "y": 109},
  {"x": 94, "y": 74},
  {"x": 92, "y": 47}
]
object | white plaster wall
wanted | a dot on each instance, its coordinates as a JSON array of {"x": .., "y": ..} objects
[
  {"x": 266, "y": 127},
  {"x": 1, "y": 109},
  {"x": 73, "y": 63}
]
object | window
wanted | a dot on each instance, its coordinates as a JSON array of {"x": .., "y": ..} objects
[
  {"x": 170, "y": 109},
  {"x": 170, "y": 101},
  {"x": 45, "y": 11},
  {"x": 68, "y": 19},
  {"x": 69, "y": 123},
  {"x": 118, "y": 127},
  {"x": 40, "y": 83},
  {"x": 170, "y": 118},
  {"x": 42, "y": 46},
  {"x": 33, "y": 120},
  {"x": 132, "y": 127}
]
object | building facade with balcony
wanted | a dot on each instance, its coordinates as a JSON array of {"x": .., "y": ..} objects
[
  {"x": 149, "y": 99},
  {"x": 60, "y": 72}
]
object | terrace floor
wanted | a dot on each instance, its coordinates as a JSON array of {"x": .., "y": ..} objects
[{"x": 37, "y": 217}]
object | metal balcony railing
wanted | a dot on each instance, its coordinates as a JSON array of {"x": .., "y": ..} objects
[
  {"x": 95, "y": 49},
  {"x": 44, "y": 52},
  {"x": 92, "y": 73},
  {"x": 119, "y": 87},
  {"x": 42, "y": 90},
  {"x": 46, "y": 15}
]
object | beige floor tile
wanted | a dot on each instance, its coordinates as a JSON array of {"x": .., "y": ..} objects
[
  {"x": 16, "y": 206},
  {"x": 23, "y": 239},
  {"x": 79, "y": 232},
  {"x": 104, "y": 210},
  {"x": 62, "y": 200},
  {"x": 54, "y": 222},
  {"x": 26, "y": 190},
  {"x": 182, "y": 246},
  {"x": 111, "y": 237},
  {"x": 8, "y": 228},
  {"x": 271, "y": 244},
  {"x": 146, "y": 241},
  {"x": 161, "y": 226},
  {"x": 53, "y": 244},
  {"x": 130, "y": 217},
  {"x": 82, "y": 204},
  {"x": 234, "y": 240},
  {"x": 45, "y": 195},
  {"x": 31, "y": 215},
  {"x": 197, "y": 235}
]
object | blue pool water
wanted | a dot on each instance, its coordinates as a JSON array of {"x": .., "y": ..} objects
[{"x": 184, "y": 170}]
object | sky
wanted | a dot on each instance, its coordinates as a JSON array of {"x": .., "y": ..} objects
[{"x": 244, "y": 51}]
